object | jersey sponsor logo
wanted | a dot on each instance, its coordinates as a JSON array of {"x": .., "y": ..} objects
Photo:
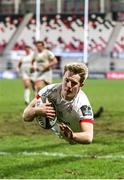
[
  {"x": 86, "y": 110},
  {"x": 40, "y": 60}
]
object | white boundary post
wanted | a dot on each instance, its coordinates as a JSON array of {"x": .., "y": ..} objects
[
  {"x": 38, "y": 26},
  {"x": 86, "y": 9}
]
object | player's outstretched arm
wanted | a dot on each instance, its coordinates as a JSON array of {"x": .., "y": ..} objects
[
  {"x": 32, "y": 111},
  {"x": 83, "y": 137},
  {"x": 86, "y": 134},
  {"x": 52, "y": 62}
]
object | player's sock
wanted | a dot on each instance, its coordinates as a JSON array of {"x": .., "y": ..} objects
[
  {"x": 27, "y": 96},
  {"x": 99, "y": 112}
]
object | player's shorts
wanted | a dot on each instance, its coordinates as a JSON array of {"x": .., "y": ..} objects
[
  {"x": 25, "y": 75},
  {"x": 33, "y": 76},
  {"x": 46, "y": 76}
]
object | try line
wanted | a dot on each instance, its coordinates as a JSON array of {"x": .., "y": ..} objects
[{"x": 61, "y": 154}]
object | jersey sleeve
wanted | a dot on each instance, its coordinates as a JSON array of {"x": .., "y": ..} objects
[
  {"x": 87, "y": 114},
  {"x": 85, "y": 110},
  {"x": 51, "y": 55},
  {"x": 44, "y": 90}
]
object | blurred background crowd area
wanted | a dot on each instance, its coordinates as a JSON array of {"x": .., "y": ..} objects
[{"x": 62, "y": 30}]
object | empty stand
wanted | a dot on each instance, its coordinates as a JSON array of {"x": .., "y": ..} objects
[{"x": 61, "y": 33}]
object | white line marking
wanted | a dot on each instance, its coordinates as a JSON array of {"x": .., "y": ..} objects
[
  {"x": 4, "y": 153},
  {"x": 61, "y": 154}
]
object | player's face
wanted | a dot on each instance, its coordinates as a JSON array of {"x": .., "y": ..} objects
[
  {"x": 39, "y": 47},
  {"x": 70, "y": 85},
  {"x": 27, "y": 50}
]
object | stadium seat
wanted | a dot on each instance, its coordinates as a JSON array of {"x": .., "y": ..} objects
[{"x": 60, "y": 33}]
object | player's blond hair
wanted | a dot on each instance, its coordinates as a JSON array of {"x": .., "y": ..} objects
[{"x": 78, "y": 68}]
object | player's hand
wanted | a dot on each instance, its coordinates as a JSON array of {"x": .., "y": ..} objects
[
  {"x": 47, "y": 110},
  {"x": 66, "y": 131},
  {"x": 46, "y": 68},
  {"x": 32, "y": 69}
]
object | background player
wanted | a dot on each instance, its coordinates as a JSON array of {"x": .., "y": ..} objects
[
  {"x": 23, "y": 67},
  {"x": 44, "y": 60},
  {"x": 72, "y": 107}
]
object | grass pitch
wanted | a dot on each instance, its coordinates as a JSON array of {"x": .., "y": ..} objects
[{"x": 27, "y": 151}]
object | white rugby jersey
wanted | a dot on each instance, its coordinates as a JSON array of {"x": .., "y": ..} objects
[
  {"x": 71, "y": 112},
  {"x": 41, "y": 59},
  {"x": 26, "y": 62}
]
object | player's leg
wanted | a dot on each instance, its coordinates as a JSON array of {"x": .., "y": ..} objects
[
  {"x": 99, "y": 112},
  {"x": 26, "y": 83},
  {"x": 39, "y": 84},
  {"x": 33, "y": 86},
  {"x": 33, "y": 78}
]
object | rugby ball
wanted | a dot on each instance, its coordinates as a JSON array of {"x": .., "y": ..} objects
[{"x": 43, "y": 121}]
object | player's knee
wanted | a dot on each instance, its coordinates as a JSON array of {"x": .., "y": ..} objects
[{"x": 26, "y": 84}]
